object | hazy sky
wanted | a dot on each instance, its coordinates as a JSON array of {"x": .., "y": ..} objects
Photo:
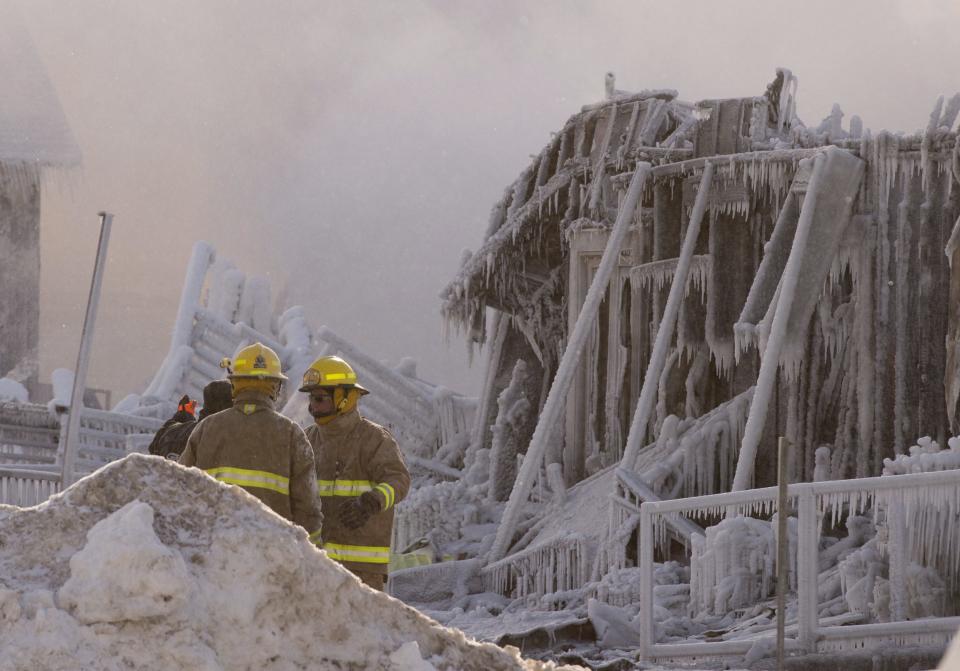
[{"x": 352, "y": 150}]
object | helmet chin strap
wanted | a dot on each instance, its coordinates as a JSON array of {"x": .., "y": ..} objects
[
  {"x": 344, "y": 400},
  {"x": 342, "y": 403}
]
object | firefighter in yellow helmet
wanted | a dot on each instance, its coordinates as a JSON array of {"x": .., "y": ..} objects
[
  {"x": 360, "y": 471},
  {"x": 254, "y": 447}
]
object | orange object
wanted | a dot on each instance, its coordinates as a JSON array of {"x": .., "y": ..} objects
[{"x": 190, "y": 406}]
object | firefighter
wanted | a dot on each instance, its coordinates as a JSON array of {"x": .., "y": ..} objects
[
  {"x": 360, "y": 472},
  {"x": 254, "y": 447},
  {"x": 171, "y": 439}
]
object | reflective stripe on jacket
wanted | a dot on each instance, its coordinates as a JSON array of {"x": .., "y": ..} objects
[
  {"x": 253, "y": 446},
  {"x": 353, "y": 455},
  {"x": 245, "y": 477}
]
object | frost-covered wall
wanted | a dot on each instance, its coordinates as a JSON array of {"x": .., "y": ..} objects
[
  {"x": 34, "y": 136},
  {"x": 19, "y": 272}
]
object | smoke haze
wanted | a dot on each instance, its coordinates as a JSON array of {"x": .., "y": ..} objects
[{"x": 350, "y": 151}]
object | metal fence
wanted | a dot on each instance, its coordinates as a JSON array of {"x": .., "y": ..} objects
[
  {"x": 32, "y": 440},
  {"x": 922, "y": 517}
]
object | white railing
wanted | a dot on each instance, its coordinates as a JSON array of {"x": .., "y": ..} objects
[
  {"x": 31, "y": 438},
  {"x": 103, "y": 437},
  {"x": 24, "y": 488},
  {"x": 921, "y": 512}
]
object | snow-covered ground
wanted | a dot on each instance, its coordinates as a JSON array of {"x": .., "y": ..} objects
[{"x": 149, "y": 565}]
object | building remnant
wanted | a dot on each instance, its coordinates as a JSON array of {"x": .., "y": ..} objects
[
  {"x": 34, "y": 137},
  {"x": 816, "y": 303}
]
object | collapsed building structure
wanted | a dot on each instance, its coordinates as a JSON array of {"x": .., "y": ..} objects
[{"x": 666, "y": 289}]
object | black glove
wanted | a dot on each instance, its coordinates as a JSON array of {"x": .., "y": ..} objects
[{"x": 354, "y": 514}]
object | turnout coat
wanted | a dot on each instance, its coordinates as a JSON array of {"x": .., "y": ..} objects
[
  {"x": 353, "y": 455},
  {"x": 253, "y": 446}
]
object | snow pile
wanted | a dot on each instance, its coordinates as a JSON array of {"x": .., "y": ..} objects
[
  {"x": 924, "y": 457},
  {"x": 148, "y": 565},
  {"x": 11, "y": 390}
]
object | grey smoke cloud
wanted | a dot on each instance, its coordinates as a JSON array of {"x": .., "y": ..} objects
[{"x": 351, "y": 150}]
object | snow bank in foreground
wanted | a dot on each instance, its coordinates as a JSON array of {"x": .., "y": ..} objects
[{"x": 148, "y": 565}]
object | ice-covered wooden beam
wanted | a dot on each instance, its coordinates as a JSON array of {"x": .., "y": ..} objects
[
  {"x": 663, "y": 94},
  {"x": 657, "y": 274},
  {"x": 823, "y": 217},
  {"x": 750, "y": 162},
  {"x": 665, "y": 330},
  {"x": 554, "y": 406}
]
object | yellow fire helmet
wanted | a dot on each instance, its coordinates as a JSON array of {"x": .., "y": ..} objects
[
  {"x": 330, "y": 371},
  {"x": 255, "y": 361}
]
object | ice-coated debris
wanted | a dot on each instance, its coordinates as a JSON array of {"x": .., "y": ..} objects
[
  {"x": 146, "y": 564},
  {"x": 924, "y": 457},
  {"x": 11, "y": 390}
]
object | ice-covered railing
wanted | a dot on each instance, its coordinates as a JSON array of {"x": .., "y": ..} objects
[
  {"x": 32, "y": 439},
  {"x": 691, "y": 457},
  {"x": 29, "y": 434},
  {"x": 23, "y": 487},
  {"x": 919, "y": 511},
  {"x": 104, "y": 436}
]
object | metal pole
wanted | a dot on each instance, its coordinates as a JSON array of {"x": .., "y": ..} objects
[
  {"x": 782, "y": 544},
  {"x": 72, "y": 436}
]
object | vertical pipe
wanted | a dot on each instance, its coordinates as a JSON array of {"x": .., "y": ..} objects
[
  {"x": 897, "y": 525},
  {"x": 782, "y": 543},
  {"x": 646, "y": 582},
  {"x": 71, "y": 438},
  {"x": 808, "y": 543}
]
